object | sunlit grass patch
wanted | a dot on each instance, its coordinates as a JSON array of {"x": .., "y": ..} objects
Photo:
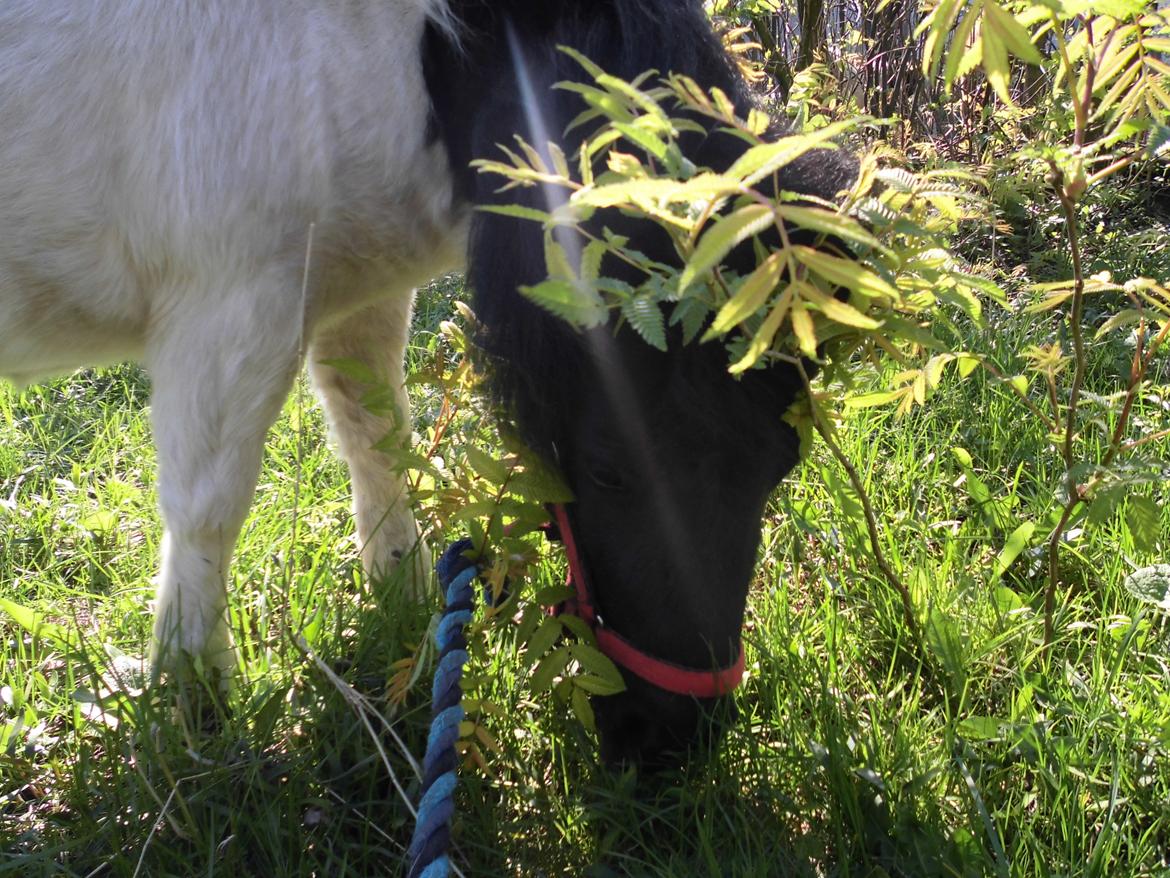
[{"x": 850, "y": 755}]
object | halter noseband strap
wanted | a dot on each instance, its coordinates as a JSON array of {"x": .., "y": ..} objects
[{"x": 681, "y": 680}]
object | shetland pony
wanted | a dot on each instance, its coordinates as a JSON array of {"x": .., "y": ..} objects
[{"x": 224, "y": 189}]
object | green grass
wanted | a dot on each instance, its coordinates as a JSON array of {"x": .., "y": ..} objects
[{"x": 853, "y": 755}]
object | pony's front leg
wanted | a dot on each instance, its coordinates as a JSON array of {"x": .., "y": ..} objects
[
  {"x": 221, "y": 368},
  {"x": 375, "y": 339}
]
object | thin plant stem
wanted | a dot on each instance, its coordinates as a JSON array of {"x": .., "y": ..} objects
[
  {"x": 1076, "y": 315},
  {"x": 892, "y": 578}
]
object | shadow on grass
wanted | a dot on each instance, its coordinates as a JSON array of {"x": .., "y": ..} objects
[{"x": 289, "y": 780}]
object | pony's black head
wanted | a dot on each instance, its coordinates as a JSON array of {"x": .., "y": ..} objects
[{"x": 671, "y": 460}]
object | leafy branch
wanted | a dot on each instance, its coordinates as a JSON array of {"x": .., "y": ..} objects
[
  {"x": 848, "y": 281},
  {"x": 1108, "y": 69}
]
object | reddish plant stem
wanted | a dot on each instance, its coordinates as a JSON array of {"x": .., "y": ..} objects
[
  {"x": 1076, "y": 315},
  {"x": 871, "y": 524}
]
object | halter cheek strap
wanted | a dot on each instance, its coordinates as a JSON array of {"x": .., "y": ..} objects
[{"x": 679, "y": 679}]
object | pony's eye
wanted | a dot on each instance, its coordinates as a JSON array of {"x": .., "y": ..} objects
[{"x": 607, "y": 477}]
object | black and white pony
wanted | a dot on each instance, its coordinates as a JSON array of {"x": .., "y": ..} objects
[{"x": 222, "y": 189}]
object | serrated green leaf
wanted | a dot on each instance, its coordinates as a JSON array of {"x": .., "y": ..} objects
[
  {"x": 557, "y": 155},
  {"x": 636, "y": 98},
  {"x": 937, "y": 25},
  {"x": 966, "y": 364},
  {"x": 691, "y": 313},
  {"x": 905, "y": 330},
  {"x": 478, "y": 536},
  {"x": 995, "y": 61},
  {"x": 899, "y": 179},
  {"x": 1119, "y": 9},
  {"x": 763, "y": 160},
  {"x": 869, "y": 400},
  {"x": 607, "y": 103},
  {"x": 1155, "y": 90},
  {"x": 593, "y": 661},
  {"x": 540, "y": 484},
  {"x": 836, "y": 310},
  {"x": 556, "y": 260},
  {"x": 619, "y": 290},
  {"x": 587, "y": 65},
  {"x": 1157, "y": 65},
  {"x": 655, "y": 190},
  {"x": 534, "y": 157},
  {"x": 583, "y": 710},
  {"x": 750, "y": 297},
  {"x": 578, "y": 628},
  {"x": 552, "y": 595},
  {"x": 485, "y": 466},
  {"x": 1115, "y": 63},
  {"x": 549, "y": 668},
  {"x": 829, "y": 223},
  {"x": 1051, "y": 300},
  {"x": 962, "y": 58},
  {"x": 596, "y": 685},
  {"x": 876, "y": 213},
  {"x": 591, "y": 258},
  {"x": 518, "y": 211},
  {"x": 1159, "y": 141},
  {"x": 1143, "y": 519},
  {"x": 721, "y": 238},
  {"x": 841, "y": 272},
  {"x": 647, "y": 140},
  {"x": 1013, "y": 34},
  {"x": 474, "y": 511},
  {"x": 986, "y": 286},
  {"x": 935, "y": 367},
  {"x": 645, "y": 316},
  {"x": 1106, "y": 502},
  {"x": 544, "y": 637},
  {"x": 576, "y": 303},
  {"x": 803, "y": 329},
  {"x": 764, "y": 336},
  {"x": 1125, "y": 317},
  {"x": 403, "y": 459}
]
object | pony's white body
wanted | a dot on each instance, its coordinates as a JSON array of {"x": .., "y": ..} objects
[{"x": 217, "y": 189}]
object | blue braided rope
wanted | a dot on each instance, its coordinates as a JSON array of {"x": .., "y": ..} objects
[{"x": 432, "y": 830}]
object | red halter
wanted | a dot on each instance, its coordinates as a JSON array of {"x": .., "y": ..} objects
[{"x": 695, "y": 682}]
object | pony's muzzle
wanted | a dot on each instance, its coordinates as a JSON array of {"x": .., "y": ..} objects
[{"x": 656, "y": 730}]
